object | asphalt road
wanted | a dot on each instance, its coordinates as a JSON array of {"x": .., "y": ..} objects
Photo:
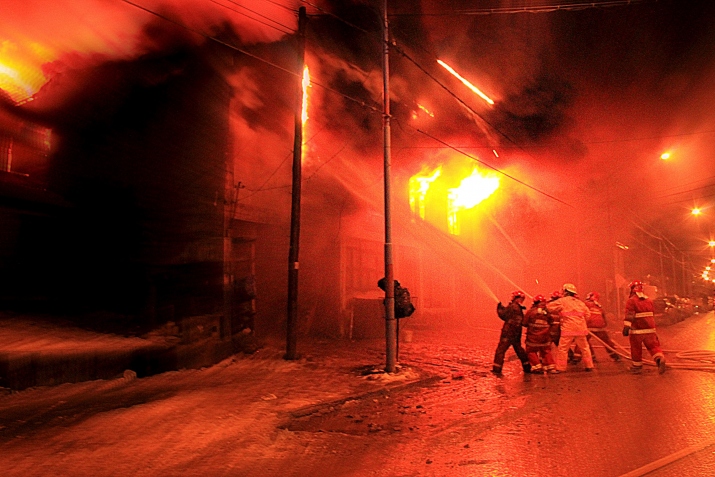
[{"x": 326, "y": 416}]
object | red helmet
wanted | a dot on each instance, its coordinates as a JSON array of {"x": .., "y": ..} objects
[
  {"x": 593, "y": 296},
  {"x": 556, "y": 295},
  {"x": 636, "y": 286},
  {"x": 517, "y": 294},
  {"x": 539, "y": 299}
]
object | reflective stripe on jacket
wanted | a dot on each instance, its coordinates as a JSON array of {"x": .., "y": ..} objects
[
  {"x": 640, "y": 315},
  {"x": 574, "y": 314},
  {"x": 538, "y": 323}
]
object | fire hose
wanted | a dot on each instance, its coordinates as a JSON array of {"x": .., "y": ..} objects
[{"x": 702, "y": 360}]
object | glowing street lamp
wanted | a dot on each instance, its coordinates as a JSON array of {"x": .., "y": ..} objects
[
  {"x": 696, "y": 211},
  {"x": 711, "y": 243},
  {"x": 665, "y": 156}
]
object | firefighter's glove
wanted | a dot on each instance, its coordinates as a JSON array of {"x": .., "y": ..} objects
[
  {"x": 626, "y": 330},
  {"x": 501, "y": 311}
]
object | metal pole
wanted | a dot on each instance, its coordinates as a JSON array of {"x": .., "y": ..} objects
[
  {"x": 225, "y": 331},
  {"x": 292, "y": 317},
  {"x": 674, "y": 291},
  {"x": 685, "y": 283},
  {"x": 390, "y": 325},
  {"x": 662, "y": 272}
]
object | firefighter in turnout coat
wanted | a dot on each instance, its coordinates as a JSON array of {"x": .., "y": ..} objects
[
  {"x": 513, "y": 316},
  {"x": 537, "y": 322},
  {"x": 639, "y": 326},
  {"x": 597, "y": 325},
  {"x": 574, "y": 314},
  {"x": 556, "y": 319}
]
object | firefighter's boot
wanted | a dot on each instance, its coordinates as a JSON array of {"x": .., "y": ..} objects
[
  {"x": 526, "y": 367},
  {"x": 661, "y": 364}
]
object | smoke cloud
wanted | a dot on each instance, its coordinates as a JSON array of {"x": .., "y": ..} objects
[{"x": 585, "y": 103}]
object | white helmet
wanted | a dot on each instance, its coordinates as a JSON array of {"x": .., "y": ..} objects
[{"x": 569, "y": 288}]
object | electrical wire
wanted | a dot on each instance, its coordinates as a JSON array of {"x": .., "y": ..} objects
[
  {"x": 362, "y": 103},
  {"x": 692, "y": 182},
  {"x": 251, "y": 55},
  {"x": 288, "y": 30},
  {"x": 548, "y": 8},
  {"x": 280, "y": 5},
  {"x": 476, "y": 159},
  {"x": 335, "y": 17}
]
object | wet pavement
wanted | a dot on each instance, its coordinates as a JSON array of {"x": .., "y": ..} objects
[{"x": 333, "y": 412}]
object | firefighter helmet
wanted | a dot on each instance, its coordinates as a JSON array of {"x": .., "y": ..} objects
[
  {"x": 517, "y": 294},
  {"x": 569, "y": 288},
  {"x": 556, "y": 295},
  {"x": 593, "y": 296},
  {"x": 539, "y": 299},
  {"x": 636, "y": 286}
]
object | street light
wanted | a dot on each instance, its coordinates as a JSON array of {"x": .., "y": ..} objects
[
  {"x": 711, "y": 243},
  {"x": 665, "y": 156},
  {"x": 696, "y": 211}
]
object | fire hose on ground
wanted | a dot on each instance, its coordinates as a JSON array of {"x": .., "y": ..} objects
[{"x": 701, "y": 360}]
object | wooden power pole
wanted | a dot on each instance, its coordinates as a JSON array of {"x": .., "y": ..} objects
[{"x": 293, "y": 264}]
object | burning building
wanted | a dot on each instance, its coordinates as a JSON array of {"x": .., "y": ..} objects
[{"x": 169, "y": 176}]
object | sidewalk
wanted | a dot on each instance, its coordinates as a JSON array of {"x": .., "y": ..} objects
[{"x": 37, "y": 351}]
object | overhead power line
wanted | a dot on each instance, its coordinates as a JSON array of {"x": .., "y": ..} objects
[
  {"x": 476, "y": 159},
  {"x": 685, "y": 191},
  {"x": 528, "y": 8},
  {"x": 251, "y": 55},
  {"x": 325, "y": 12},
  {"x": 286, "y": 27}
]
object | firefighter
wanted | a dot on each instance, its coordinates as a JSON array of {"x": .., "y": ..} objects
[
  {"x": 597, "y": 326},
  {"x": 639, "y": 326},
  {"x": 537, "y": 322},
  {"x": 573, "y": 313},
  {"x": 555, "y": 330},
  {"x": 513, "y": 316}
]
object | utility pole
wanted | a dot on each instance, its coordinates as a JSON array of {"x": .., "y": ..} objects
[
  {"x": 390, "y": 325},
  {"x": 225, "y": 331},
  {"x": 293, "y": 264},
  {"x": 674, "y": 291},
  {"x": 686, "y": 292},
  {"x": 662, "y": 272}
]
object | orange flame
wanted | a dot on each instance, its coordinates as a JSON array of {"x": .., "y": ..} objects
[
  {"x": 465, "y": 82},
  {"x": 419, "y": 185},
  {"x": 472, "y": 191},
  {"x": 306, "y": 85},
  {"x": 21, "y": 75}
]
